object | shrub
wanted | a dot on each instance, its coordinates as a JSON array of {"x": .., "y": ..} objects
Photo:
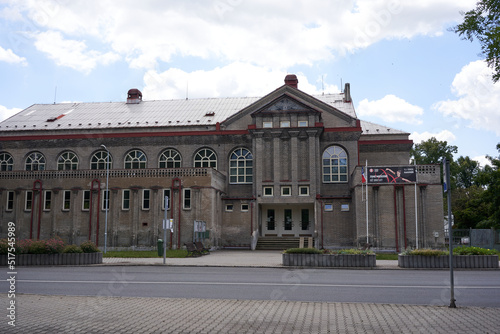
[
  {"x": 302, "y": 251},
  {"x": 72, "y": 249},
  {"x": 89, "y": 247},
  {"x": 424, "y": 252},
  {"x": 37, "y": 247},
  {"x": 350, "y": 251},
  {"x": 54, "y": 245},
  {"x": 464, "y": 250},
  {"x": 4, "y": 246},
  {"x": 23, "y": 246}
]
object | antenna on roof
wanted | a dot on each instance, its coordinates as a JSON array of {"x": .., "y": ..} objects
[
  {"x": 187, "y": 88},
  {"x": 55, "y": 95},
  {"x": 322, "y": 85},
  {"x": 341, "y": 85}
]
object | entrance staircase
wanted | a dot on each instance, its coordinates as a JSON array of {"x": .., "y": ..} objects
[{"x": 279, "y": 243}]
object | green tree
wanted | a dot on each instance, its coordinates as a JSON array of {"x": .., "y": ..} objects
[
  {"x": 465, "y": 173},
  {"x": 432, "y": 151},
  {"x": 483, "y": 24},
  {"x": 490, "y": 177}
]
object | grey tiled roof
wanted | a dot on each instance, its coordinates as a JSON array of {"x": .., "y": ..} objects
[{"x": 164, "y": 113}]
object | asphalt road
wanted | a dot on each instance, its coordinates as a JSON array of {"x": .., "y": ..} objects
[{"x": 417, "y": 287}]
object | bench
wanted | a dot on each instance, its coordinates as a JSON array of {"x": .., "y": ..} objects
[
  {"x": 203, "y": 250},
  {"x": 192, "y": 250}
]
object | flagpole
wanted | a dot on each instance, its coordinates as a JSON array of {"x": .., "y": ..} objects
[
  {"x": 416, "y": 206},
  {"x": 366, "y": 197}
]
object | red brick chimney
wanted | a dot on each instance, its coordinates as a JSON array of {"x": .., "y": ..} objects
[{"x": 292, "y": 81}]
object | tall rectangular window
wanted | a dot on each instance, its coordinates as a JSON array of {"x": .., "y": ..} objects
[
  {"x": 187, "y": 198},
  {"x": 105, "y": 200},
  {"x": 146, "y": 199},
  {"x": 125, "y": 199},
  {"x": 10, "y": 201},
  {"x": 166, "y": 192},
  {"x": 304, "y": 222},
  {"x": 66, "y": 200},
  {"x": 47, "y": 200},
  {"x": 86, "y": 200},
  {"x": 28, "y": 200}
]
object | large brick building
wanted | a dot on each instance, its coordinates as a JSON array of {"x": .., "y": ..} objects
[{"x": 253, "y": 169}]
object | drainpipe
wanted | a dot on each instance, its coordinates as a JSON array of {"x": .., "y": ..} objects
[
  {"x": 404, "y": 214},
  {"x": 179, "y": 187},
  {"x": 396, "y": 219},
  {"x": 92, "y": 188},
  {"x": 39, "y": 190}
]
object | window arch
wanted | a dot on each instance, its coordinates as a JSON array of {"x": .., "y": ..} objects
[
  {"x": 169, "y": 158},
  {"x": 99, "y": 160},
  {"x": 67, "y": 161},
  {"x": 205, "y": 158},
  {"x": 334, "y": 165},
  {"x": 35, "y": 161},
  {"x": 241, "y": 166},
  {"x": 6, "y": 162},
  {"x": 135, "y": 159}
]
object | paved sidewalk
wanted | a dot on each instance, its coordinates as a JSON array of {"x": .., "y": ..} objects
[
  {"x": 64, "y": 314},
  {"x": 226, "y": 258}
]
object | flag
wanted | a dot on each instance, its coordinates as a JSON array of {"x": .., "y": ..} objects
[{"x": 363, "y": 178}]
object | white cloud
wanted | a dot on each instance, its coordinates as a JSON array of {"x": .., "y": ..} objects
[
  {"x": 6, "y": 113},
  {"x": 273, "y": 34},
  {"x": 10, "y": 57},
  {"x": 236, "y": 79},
  {"x": 444, "y": 135},
  {"x": 391, "y": 109},
  {"x": 483, "y": 160},
  {"x": 71, "y": 53},
  {"x": 477, "y": 98}
]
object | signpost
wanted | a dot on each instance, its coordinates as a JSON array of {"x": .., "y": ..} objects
[{"x": 447, "y": 190}]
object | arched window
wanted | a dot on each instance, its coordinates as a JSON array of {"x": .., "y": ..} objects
[
  {"x": 6, "y": 162},
  {"x": 241, "y": 166},
  {"x": 135, "y": 159},
  {"x": 205, "y": 158},
  {"x": 67, "y": 161},
  {"x": 99, "y": 160},
  {"x": 35, "y": 161},
  {"x": 169, "y": 159},
  {"x": 334, "y": 165}
]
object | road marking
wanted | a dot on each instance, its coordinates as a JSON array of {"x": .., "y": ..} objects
[{"x": 268, "y": 284}]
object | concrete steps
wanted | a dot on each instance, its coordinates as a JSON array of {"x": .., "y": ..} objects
[{"x": 279, "y": 243}]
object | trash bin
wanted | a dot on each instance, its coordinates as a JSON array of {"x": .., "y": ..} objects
[{"x": 160, "y": 247}]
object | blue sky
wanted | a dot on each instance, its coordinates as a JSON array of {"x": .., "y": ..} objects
[{"x": 405, "y": 68}]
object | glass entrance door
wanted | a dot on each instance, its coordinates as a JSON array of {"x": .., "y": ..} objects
[{"x": 287, "y": 221}]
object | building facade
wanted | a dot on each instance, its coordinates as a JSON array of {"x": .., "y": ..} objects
[{"x": 286, "y": 165}]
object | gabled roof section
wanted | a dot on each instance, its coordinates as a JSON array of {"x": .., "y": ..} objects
[{"x": 290, "y": 99}]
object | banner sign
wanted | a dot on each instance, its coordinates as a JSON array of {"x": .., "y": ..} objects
[{"x": 400, "y": 174}]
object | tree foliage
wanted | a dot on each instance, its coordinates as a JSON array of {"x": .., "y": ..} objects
[
  {"x": 432, "y": 151},
  {"x": 483, "y": 24},
  {"x": 475, "y": 191}
]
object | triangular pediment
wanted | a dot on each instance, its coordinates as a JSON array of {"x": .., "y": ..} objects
[
  {"x": 285, "y": 103},
  {"x": 286, "y": 99}
]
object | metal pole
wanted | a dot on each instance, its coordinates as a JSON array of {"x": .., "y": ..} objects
[
  {"x": 165, "y": 231},
  {"x": 450, "y": 233},
  {"x": 416, "y": 205},
  {"x": 107, "y": 201},
  {"x": 366, "y": 198}
]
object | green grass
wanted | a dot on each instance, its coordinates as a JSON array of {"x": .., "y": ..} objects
[
  {"x": 387, "y": 256},
  {"x": 179, "y": 253}
]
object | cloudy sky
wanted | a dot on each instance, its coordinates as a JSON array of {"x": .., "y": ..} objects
[{"x": 406, "y": 69}]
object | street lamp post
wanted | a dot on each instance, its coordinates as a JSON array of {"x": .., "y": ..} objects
[{"x": 107, "y": 200}]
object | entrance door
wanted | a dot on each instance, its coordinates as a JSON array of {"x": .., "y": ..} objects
[{"x": 287, "y": 221}]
